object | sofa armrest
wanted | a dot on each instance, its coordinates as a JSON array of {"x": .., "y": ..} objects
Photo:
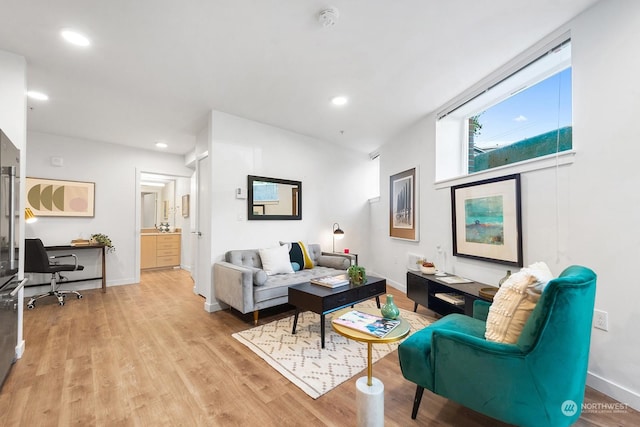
[
  {"x": 337, "y": 261},
  {"x": 481, "y": 309},
  {"x": 233, "y": 285}
]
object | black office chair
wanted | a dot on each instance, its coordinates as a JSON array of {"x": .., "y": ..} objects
[{"x": 36, "y": 260}]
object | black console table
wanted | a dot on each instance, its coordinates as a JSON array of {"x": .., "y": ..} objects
[{"x": 422, "y": 289}]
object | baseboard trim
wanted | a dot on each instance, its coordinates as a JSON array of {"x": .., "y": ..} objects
[
  {"x": 613, "y": 390},
  {"x": 20, "y": 350},
  {"x": 212, "y": 307}
]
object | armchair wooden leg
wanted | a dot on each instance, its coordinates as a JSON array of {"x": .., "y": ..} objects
[
  {"x": 255, "y": 317},
  {"x": 416, "y": 402}
]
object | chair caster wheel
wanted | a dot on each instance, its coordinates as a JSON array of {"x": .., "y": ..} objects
[
  {"x": 79, "y": 296},
  {"x": 31, "y": 306},
  {"x": 61, "y": 303}
]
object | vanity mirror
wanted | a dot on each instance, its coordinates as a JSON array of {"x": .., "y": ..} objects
[{"x": 273, "y": 198}]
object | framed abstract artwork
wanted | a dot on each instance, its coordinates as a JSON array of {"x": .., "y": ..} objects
[
  {"x": 487, "y": 220},
  {"x": 403, "y": 215},
  {"x": 185, "y": 206},
  {"x": 51, "y": 197}
]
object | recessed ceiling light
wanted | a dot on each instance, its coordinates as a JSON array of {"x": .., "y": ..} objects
[
  {"x": 75, "y": 37},
  {"x": 37, "y": 95},
  {"x": 339, "y": 100},
  {"x": 161, "y": 145}
]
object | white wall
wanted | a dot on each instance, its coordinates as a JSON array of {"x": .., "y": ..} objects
[
  {"x": 332, "y": 179},
  {"x": 592, "y": 222},
  {"x": 13, "y": 122},
  {"x": 113, "y": 168},
  {"x": 182, "y": 188}
]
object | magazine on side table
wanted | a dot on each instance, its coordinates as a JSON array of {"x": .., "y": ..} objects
[{"x": 370, "y": 324}]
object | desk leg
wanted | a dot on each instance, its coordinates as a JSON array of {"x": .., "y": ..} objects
[{"x": 104, "y": 270}]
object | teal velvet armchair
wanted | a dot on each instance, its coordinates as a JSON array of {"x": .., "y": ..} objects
[{"x": 538, "y": 381}]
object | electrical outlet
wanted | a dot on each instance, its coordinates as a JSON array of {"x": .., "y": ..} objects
[{"x": 601, "y": 320}]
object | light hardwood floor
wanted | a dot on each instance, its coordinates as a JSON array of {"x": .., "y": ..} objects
[{"x": 149, "y": 355}]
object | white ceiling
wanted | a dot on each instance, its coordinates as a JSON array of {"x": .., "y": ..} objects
[{"x": 157, "y": 67}]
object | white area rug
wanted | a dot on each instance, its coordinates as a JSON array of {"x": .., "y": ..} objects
[{"x": 300, "y": 357}]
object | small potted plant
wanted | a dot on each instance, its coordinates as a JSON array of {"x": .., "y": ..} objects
[
  {"x": 357, "y": 275},
  {"x": 103, "y": 239}
]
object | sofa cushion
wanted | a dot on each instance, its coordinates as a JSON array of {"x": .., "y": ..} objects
[
  {"x": 259, "y": 276},
  {"x": 244, "y": 257},
  {"x": 299, "y": 254},
  {"x": 337, "y": 262},
  {"x": 278, "y": 285},
  {"x": 275, "y": 260}
]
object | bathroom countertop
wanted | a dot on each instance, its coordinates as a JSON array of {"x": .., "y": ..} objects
[{"x": 159, "y": 233}]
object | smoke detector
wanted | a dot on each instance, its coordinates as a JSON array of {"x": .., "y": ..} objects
[{"x": 328, "y": 17}]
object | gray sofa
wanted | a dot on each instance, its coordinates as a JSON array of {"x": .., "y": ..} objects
[{"x": 240, "y": 282}]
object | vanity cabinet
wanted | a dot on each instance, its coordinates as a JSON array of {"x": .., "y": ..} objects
[{"x": 159, "y": 250}]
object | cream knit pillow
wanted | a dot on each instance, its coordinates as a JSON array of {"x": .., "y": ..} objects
[{"x": 511, "y": 307}]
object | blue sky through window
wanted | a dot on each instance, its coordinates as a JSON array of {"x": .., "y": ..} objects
[{"x": 534, "y": 111}]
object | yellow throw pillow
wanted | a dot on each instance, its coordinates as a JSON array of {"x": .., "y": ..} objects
[
  {"x": 512, "y": 305},
  {"x": 308, "y": 263}
]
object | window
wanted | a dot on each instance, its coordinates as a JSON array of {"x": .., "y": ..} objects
[
  {"x": 265, "y": 192},
  {"x": 516, "y": 116}
]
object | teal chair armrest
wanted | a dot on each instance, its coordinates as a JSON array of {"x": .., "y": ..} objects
[
  {"x": 470, "y": 343},
  {"x": 481, "y": 309}
]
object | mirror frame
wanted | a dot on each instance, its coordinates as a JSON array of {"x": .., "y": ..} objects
[{"x": 252, "y": 216}]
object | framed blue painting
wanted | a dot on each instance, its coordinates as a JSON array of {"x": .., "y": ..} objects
[{"x": 487, "y": 220}]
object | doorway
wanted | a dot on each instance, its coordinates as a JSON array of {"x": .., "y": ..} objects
[{"x": 160, "y": 210}]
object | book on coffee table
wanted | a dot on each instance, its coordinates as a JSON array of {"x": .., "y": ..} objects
[
  {"x": 331, "y": 281},
  {"x": 370, "y": 324}
]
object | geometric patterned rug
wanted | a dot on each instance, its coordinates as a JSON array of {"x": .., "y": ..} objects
[{"x": 301, "y": 359}]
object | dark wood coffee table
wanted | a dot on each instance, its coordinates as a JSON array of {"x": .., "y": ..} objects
[{"x": 323, "y": 300}]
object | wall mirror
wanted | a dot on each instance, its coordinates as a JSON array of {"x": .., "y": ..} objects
[{"x": 273, "y": 198}]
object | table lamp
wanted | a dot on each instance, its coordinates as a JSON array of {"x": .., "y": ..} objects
[
  {"x": 337, "y": 234},
  {"x": 29, "y": 217}
]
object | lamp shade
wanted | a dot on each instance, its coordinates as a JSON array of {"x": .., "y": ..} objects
[
  {"x": 337, "y": 234},
  {"x": 29, "y": 217}
]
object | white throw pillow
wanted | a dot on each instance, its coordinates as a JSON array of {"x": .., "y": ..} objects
[{"x": 275, "y": 260}]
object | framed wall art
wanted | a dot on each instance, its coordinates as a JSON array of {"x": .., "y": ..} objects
[
  {"x": 50, "y": 197},
  {"x": 487, "y": 220},
  {"x": 185, "y": 206},
  {"x": 403, "y": 214}
]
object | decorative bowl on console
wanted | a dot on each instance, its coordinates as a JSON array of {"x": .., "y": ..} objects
[{"x": 427, "y": 268}]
